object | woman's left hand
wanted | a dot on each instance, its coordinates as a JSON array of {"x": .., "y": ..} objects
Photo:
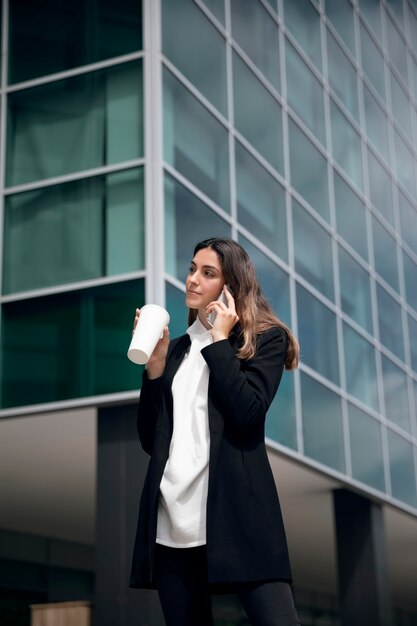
[{"x": 226, "y": 316}]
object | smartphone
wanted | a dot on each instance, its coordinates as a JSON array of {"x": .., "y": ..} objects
[{"x": 211, "y": 317}]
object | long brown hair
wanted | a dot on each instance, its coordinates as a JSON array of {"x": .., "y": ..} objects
[{"x": 253, "y": 309}]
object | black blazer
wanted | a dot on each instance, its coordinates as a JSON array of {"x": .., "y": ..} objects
[{"x": 245, "y": 532}]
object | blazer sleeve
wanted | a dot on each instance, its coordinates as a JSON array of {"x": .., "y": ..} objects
[
  {"x": 247, "y": 388},
  {"x": 148, "y": 410}
]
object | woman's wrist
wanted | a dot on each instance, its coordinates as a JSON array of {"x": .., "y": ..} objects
[
  {"x": 218, "y": 335},
  {"x": 154, "y": 372}
]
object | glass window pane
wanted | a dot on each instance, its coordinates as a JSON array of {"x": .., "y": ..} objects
[
  {"x": 413, "y": 30},
  {"x": 178, "y": 312},
  {"x": 257, "y": 34},
  {"x": 342, "y": 76},
  {"x": 312, "y": 251},
  {"x": 408, "y": 217},
  {"x": 317, "y": 335},
  {"x": 385, "y": 253},
  {"x": 72, "y": 344},
  {"x": 403, "y": 481},
  {"x": 187, "y": 221},
  {"x": 397, "y": 48},
  {"x": 196, "y": 48},
  {"x": 263, "y": 130},
  {"x": 360, "y": 367},
  {"x": 341, "y": 16},
  {"x": 195, "y": 143},
  {"x": 322, "y": 424},
  {"x": 346, "y": 145},
  {"x": 280, "y": 420},
  {"x": 405, "y": 165},
  {"x": 308, "y": 170},
  {"x": 48, "y": 36},
  {"x": 395, "y": 394},
  {"x": 410, "y": 274},
  {"x": 350, "y": 216},
  {"x": 75, "y": 124},
  {"x": 412, "y": 331},
  {"x": 305, "y": 93},
  {"x": 400, "y": 106},
  {"x": 376, "y": 124},
  {"x": 303, "y": 21},
  {"x": 371, "y": 10},
  {"x": 366, "y": 448},
  {"x": 372, "y": 62},
  {"x": 260, "y": 202},
  {"x": 355, "y": 290},
  {"x": 75, "y": 231},
  {"x": 390, "y": 322},
  {"x": 380, "y": 188}
]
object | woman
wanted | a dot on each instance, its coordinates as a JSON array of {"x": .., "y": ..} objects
[{"x": 210, "y": 519}]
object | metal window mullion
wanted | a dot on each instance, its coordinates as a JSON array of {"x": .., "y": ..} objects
[{"x": 231, "y": 120}]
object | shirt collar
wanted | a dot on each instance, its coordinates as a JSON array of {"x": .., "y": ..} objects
[{"x": 198, "y": 330}]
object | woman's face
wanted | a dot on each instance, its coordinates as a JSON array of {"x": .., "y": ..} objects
[{"x": 205, "y": 279}]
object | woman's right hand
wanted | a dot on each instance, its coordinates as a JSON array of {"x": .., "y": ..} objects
[{"x": 156, "y": 364}]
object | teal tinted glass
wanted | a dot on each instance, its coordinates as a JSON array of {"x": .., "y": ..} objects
[
  {"x": 355, "y": 290},
  {"x": 400, "y": 106},
  {"x": 273, "y": 280},
  {"x": 303, "y": 21},
  {"x": 257, "y": 34},
  {"x": 385, "y": 254},
  {"x": 187, "y": 221},
  {"x": 408, "y": 217},
  {"x": 395, "y": 394},
  {"x": 76, "y": 231},
  {"x": 317, "y": 335},
  {"x": 403, "y": 481},
  {"x": 72, "y": 345},
  {"x": 397, "y": 8},
  {"x": 390, "y": 322},
  {"x": 376, "y": 124},
  {"x": 413, "y": 30},
  {"x": 346, "y": 145},
  {"x": 322, "y": 423},
  {"x": 75, "y": 124},
  {"x": 410, "y": 274},
  {"x": 217, "y": 8},
  {"x": 308, "y": 170},
  {"x": 48, "y": 36},
  {"x": 178, "y": 312},
  {"x": 372, "y": 61},
  {"x": 195, "y": 143},
  {"x": 371, "y": 10},
  {"x": 340, "y": 14},
  {"x": 366, "y": 448},
  {"x": 196, "y": 48},
  {"x": 360, "y": 368},
  {"x": 380, "y": 188},
  {"x": 260, "y": 202},
  {"x": 263, "y": 130},
  {"x": 397, "y": 48},
  {"x": 350, "y": 216},
  {"x": 342, "y": 76},
  {"x": 405, "y": 165},
  {"x": 280, "y": 420},
  {"x": 305, "y": 92},
  {"x": 312, "y": 251},
  {"x": 412, "y": 332}
]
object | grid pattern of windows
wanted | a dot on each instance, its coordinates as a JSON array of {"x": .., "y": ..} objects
[{"x": 289, "y": 125}]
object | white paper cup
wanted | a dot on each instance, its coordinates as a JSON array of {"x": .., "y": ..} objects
[{"x": 149, "y": 329}]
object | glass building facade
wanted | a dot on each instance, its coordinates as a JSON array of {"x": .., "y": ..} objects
[{"x": 129, "y": 132}]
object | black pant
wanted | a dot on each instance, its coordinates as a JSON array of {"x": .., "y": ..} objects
[{"x": 181, "y": 576}]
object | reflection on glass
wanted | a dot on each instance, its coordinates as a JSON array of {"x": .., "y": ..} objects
[
  {"x": 385, "y": 254},
  {"x": 312, "y": 251},
  {"x": 257, "y": 34},
  {"x": 195, "y": 143},
  {"x": 303, "y": 21},
  {"x": 75, "y": 231},
  {"x": 308, "y": 170},
  {"x": 412, "y": 332},
  {"x": 366, "y": 448},
  {"x": 217, "y": 8},
  {"x": 376, "y": 124},
  {"x": 397, "y": 49},
  {"x": 75, "y": 124},
  {"x": 380, "y": 188},
  {"x": 317, "y": 335},
  {"x": 260, "y": 202},
  {"x": 400, "y": 106},
  {"x": 410, "y": 274},
  {"x": 196, "y": 48},
  {"x": 346, "y": 145},
  {"x": 395, "y": 394},
  {"x": 413, "y": 33},
  {"x": 72, "y": 344},
  {"x": 371, "y": 10},
  {"x": 408, "y": 217},
  {"x": 390, "y": 322},
  {"x": 178, "y": 312},
  {"x": 403, "y": 482},
  {"x": 350, "y": 216},
  {"x": 187, "y": 221},
  {"x": 405, "y": 163},
  {"x": 305, "y": 93},
  {"x": 342, "y": 76},
  {"x": 263, "y": 130},
  {"x": 280, "y": 420},
  {"x": 322, "y": 424},
  {"x": 48, "y": 36},
  {"x": 355, "y": 290},
  {"x": 360, "y": 367},
  {"x": 372, "y": 62},
  {"x": 341, "y": 16}
]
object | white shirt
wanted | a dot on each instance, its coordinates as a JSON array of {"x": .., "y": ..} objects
[{"x": 183, "y": 489}]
